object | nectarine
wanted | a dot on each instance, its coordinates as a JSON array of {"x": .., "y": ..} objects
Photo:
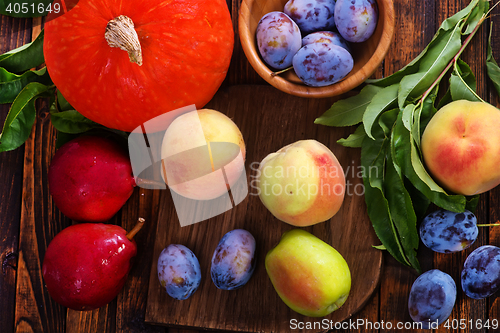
[
  {"x": 461, "y": 147},
  {"x": 302, "y": 183}
]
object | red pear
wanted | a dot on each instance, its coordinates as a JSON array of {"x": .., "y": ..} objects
[
  {"x": 86, "y": 265},
  {"x": 90, "y": 178}
]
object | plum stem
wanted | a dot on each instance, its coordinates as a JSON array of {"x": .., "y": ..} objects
[
  {"x": 489, "y": 224},
  {"x": 273, "y": 74},
  {"x": 135, "y": 230},
  {"x": 120, "y": 33}
]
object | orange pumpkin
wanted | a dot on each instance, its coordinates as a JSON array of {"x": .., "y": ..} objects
[{"x": 123, "y": 62}]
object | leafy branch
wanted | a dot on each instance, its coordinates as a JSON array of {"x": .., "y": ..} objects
[{"x": 392, "y": 113}]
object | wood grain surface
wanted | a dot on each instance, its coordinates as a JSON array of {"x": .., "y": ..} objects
[
  {"x": 29, "y": 220},
  {"x": 259, "y": 111}
]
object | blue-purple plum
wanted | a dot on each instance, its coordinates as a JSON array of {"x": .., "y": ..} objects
[
  {"x": 326, "y": 37},
  {"x": 356, "y": 20},
  {"x": 432, "y": 297},
  {"x": 311, "y": 15},
  {"x": 481, "y": 273},
  {"x": 444, "y": 231},
  {"x": 179, "y": 271},
  {"x": 233, "y": 261},
  {"x": 322, "y": 64},
  {"x": 278, "y": 39}
]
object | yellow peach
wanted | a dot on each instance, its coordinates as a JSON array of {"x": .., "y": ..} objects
[
  {"x": 302, "y": 183},
  {"x": 461, "y": 147}
]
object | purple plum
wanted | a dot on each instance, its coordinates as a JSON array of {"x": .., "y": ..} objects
[
  {"x": 278, "y": 39},
  {"x": 233, "y": 261},
  {"x": 444, "y": 231},
  {"x": 322, "y": 64},
  {"x": 432, "y": 297},
  {"x": 325, "y": 37},
  {"x": 356, "y": 20},
  {"x": 179, "y": 271},
  {"x": 311, "y": 15},
  {"x": 481, "y": 273}
]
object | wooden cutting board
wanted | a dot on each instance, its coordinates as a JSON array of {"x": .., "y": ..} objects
[{"x": 269, "y": 120}]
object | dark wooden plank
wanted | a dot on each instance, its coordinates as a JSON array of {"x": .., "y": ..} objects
[
  {"x": 39, "y": 224},
  {"x": 240, "y": 71},
  {"x": 99, "y": 320},
  {"x": 132, "y": 300},
  {"x": 13, "y": 33},
  {"x": 11, "y": 173},
  {"x": 365, "y": 321},
  {"x": 35, "y": 310}
]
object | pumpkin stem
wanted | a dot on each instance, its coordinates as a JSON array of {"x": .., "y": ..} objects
[{"x": 120, "y": 33}]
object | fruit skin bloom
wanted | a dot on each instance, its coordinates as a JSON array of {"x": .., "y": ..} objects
[{"x": 186, "y": 47}]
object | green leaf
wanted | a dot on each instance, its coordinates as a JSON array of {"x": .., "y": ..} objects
[
  {"x": 12, "y": 84},
  {"x": 348, "y": 111},
  {"x": 383, "y": 100},
  {"x": 67, "y": 120},
  {"x": 491, "y": 66},
  {"x": 413, "y": 66},
  {"x": 62, "y": 103},
  {"x": 423, "y": 115},
  {"x": 25, "y": 57},
  {"x": 402, "y": 212},
  {"x": 25, "y": 8},
  {"x": 445, "y": 99},
  {"x": 376, "y": 203},
  {"x": 21, "y": 116},
  {"x": 420, "y": 202},
  {"x": 463, "y": 83},
  {"x": 472, "y": 203},
  {"x": 386, "y": 121},
  {"x": 71, "y": 122},
  {"x": 476, "y": 15},
  {"x": 436, "y": 60},
  {"x": 354, "y": 140},
  {"x": 379, "y": 247},
  {"x": 63, "y": 138},
  {"x": 450, "y": 22},
  {"x": 407, "y": 115}
]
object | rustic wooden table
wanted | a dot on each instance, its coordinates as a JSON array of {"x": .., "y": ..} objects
[{"x": 29, "y": 219}]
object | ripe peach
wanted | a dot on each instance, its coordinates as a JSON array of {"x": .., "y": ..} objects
[
  {"x": 202, "y": 154},
  {"x": 302, "y": 184},
  {"x": 309, "y": 275},
  {"x": 461, "y": 147}
]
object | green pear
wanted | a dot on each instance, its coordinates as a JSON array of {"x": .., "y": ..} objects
[{"x": 309, "y": 275}]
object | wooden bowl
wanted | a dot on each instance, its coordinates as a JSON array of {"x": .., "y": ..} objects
[{"x": 367, "y": 55}]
